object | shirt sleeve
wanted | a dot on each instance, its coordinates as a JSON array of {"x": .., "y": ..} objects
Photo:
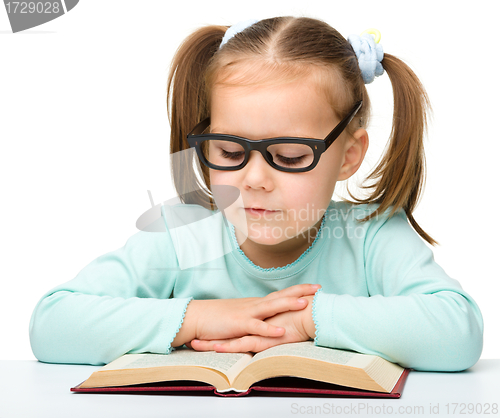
[
  {"x": 414, "y": 315},
  {"x": 119, "y": 303}
]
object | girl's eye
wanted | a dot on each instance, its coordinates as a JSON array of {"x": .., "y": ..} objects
[
  {"x": 289, "y": 160},
  {"x": 232, "y": 155}
]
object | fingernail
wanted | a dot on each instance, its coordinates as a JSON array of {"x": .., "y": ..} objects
[
  {"x": 302, "y": 300},
  {"x": 279, "y": 329},
  {"x": 316, "y": 286}
]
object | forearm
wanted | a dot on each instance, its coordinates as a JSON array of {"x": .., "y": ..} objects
[
  {"x": 440, "y": 332},
  {"x": 68, "y": 327}
]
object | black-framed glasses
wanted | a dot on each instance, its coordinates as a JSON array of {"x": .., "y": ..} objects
[{"x": 293, "y": 155}]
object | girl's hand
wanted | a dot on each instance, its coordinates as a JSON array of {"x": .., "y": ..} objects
[
  {"x": 223, "y": 319},
  {"x": 298, "y": 324}
]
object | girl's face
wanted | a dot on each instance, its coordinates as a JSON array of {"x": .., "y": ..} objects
[{"x": 298, "y": 200}]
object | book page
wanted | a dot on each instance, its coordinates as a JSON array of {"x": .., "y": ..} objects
[
  {"x": 309, "y": 350},
  {"x": 182, "y": 356}
]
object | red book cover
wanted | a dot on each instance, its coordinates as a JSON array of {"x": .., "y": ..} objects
[{"x": 276, "y": 386}]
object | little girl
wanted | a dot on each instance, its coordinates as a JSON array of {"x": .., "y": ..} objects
[{"x": 275, "y": 112}]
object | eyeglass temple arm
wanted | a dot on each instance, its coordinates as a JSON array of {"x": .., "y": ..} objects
[
  {"x": 342, "y": 125},
  {"x": 198, "y": 129}
]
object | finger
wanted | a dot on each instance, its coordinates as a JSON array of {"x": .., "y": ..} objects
[
  {"x": 261, "y": 328},
  {"x": 297, "y": 290},
  {"x": 248, "y": 343},
  {"x": 206, "y": 345},
  {"x": 268, "y": 308}
]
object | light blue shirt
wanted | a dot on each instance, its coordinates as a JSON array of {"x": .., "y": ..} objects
[{"x": 382, "y": 292}]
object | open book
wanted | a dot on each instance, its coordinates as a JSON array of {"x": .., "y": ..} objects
[{"x": 237, "y": 372}]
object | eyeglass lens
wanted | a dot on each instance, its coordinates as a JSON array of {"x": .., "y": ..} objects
[{"x": 227, "y": 153}]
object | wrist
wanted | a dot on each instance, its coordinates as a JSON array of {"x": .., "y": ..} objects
[
  {"x": 307, "y": 318},
  {"x": 188, "y": 330}
]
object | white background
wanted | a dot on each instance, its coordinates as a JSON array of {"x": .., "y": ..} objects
[{"x": 84, "y": 133}]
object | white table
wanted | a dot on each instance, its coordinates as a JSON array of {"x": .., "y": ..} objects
[{"x": 33, "y": 389}]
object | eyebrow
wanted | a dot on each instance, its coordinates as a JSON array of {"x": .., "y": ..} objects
[
  {"x": 267, "y": 137},
  {"x": 221, "y": 131},
  {"x": 228, "y": 132}
]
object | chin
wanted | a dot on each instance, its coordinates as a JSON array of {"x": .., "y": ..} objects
[{"x": 268, "y": 235}]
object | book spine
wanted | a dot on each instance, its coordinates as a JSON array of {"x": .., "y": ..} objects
[{"x": 226, "y": 394}]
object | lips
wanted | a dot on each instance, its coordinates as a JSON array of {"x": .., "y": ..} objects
[
  {"x": 269, "y": 210},
  {"x": 257, "y": 211}
]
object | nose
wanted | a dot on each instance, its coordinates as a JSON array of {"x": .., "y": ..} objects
[{"x": 258, "y": 174}]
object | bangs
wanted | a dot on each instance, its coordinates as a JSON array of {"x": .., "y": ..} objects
[{"x": 258, "y": 72}]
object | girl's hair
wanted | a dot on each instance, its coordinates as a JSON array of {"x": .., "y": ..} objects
[{"x": 285, "y": 49}]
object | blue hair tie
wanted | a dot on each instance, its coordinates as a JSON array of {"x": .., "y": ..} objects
[
  {"x": 368, "y": 51},
  {"x": 370, "y": 55},
  {"x": 236, "y": 28}
]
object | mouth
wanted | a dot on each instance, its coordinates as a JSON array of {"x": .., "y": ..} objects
[{"x": 257, "y": 211}]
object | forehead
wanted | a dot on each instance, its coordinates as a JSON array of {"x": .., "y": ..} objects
[{"x": 296, "y": 108}]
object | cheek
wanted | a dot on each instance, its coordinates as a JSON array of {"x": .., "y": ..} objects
[
  {"x": 214, "y": 178},
  {"x": 221, "y": 177},
  {"x": 329, "y": 165},
  {"x": 224, "y": 188},
  {"x": 332, "y": 158},
  {"x": 306, "y": 192},
  {"x": 227, "y": 196},
  {"x": 316, "y": 187}
]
